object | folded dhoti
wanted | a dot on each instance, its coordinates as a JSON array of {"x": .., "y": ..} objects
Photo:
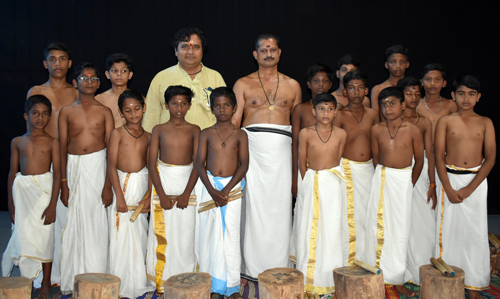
[
  {"x": 359, "y": 175},
  {"x": 267, "y": 200},
  {"x": 171, "y": 246},
  {"x": 128, "y": 240},
  {"x": 322, "y": 232},
  {"x": 388, "y": 222},
  {"x": 463, "y": 229},
  {"x": 220, "y": 254},
  {"x": 84, "y": 241},
  {"x": 32, "y": 242},
  {"x": 421, "y": 241}
]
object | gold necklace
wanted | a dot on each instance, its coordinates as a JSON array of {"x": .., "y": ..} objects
[{"x": 271, "y": 105}]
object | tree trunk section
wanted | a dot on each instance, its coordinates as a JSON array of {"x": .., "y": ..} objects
[
  {"x": 96, "y": 286},
  {"x": 188, "y": 286},
  {"x": 434, "y": 285},
  {"x": 15, "y": 288},
  {"x": 281, "y": 283},
  {"x": 356, "y": 282}
]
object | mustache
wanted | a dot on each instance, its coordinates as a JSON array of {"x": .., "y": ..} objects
[{"x": 269, "y": 58}]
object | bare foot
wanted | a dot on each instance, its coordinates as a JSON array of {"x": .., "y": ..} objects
[
  {"x": 235, "y": 296},
  {"x": 158, "y": 294},
  {"x": 243, "y": 282},
  {"x": 44, "y": 292},
  {"x": 214, "y": 294},
  {"x": 474, "y": 294},
  {"x": 405, "y": 291}
]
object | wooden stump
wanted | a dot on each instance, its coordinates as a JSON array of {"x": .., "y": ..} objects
[
  {"x": 188, "y": 286},
  {"x": 15, "y": 288},
  {"x": 281, "y": 283},
  {"x": 433, "y": 284},
  {"x": 96, "y": 286},
  {"x": 356, "y": 282},
  {"x": 494, "y": 259}
]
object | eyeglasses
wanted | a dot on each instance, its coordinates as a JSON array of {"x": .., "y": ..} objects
[{"x": 88, "y": 79}]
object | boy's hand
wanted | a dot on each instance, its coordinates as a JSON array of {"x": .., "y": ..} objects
[
  {"x": 49, "y": 214},
  {"x": 121, "y": 205},
  {"x": 182, "y": 201},
  {"x": 64, "y": 193},
  {"x": 453, "y": 196},
  {"x": 464, "y": 192},
  {"x": 220, "y": 198},
  {"x": 165, "y": 202},
  {"x": 294, "y": 188},
  {"x": 432, "y": 195},
  {"x": 146, "y": 200},
  {"x": 107, "y": 195}
]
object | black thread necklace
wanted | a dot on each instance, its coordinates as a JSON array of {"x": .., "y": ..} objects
[
  {"x": 402, "y": 120},
  {"x": 271, "y": 105},
  {"x": 324, "y": 142},
  {"x": 223, "y": 141},
  {"x": 359, "y": 121},
  {"x": 131, "y": 133}
]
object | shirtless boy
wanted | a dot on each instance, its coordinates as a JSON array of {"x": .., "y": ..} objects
[
  {"x": 33, "y": 191},
  {"x": 461, "y": 140},
  {"x": 357, "y": 120},
  {"x": 396, "y": 61},
  {"x": 84, "y": 130},
  {"x": 56, "y": 89},
  {"x": 119, "y": 70},
  {"x": 222, "y": 162},
  {"x": 394, "y": 143},
  {"x": 423, "y": 218},
  {"x": 319, "y": 80},
  {"x": 321, "y": 145},
  {"x": 174, "y": 178},
  {"x": 346, "y": 64},
  {"x": 127, "y": 161},
  {"x": 433, "y": 106}
]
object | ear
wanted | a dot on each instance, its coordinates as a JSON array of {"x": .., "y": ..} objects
[
  {"x": 130, "y": 75},
  {"x": 189, "y": 106},
  {"x": 308, "y": 84},
  {"x": 344, "y": 92},
  {"x": 403, "y": 105},
  {"x": 70, "y": 62},
  {"x": 107, "y": 74},
  {"x": 366, "y": 91},
  {"x": 338, "y": 74},
  {"x": 386, "y": 65},
  {"x": 175, "y": 51},
  {"x": 144, "y": 108},
  {"x": 45, "y": 63},
  {"x": 166, "y": 105},
  {"x": 255, "y": 54},
  {"x": 453, "y": 96},
  {"x": 444, "y": 83},
  {"x": 279, "y": 52},
  {"x": 407, "y": 64},
  {"x": 313, "y": 112},
  {"x": 74, "y": 84},
  {"x": 330, "y": 85},
  {"x": 478, "y": 97},
  {"x": 25, "y": 116},
  {"x": 235, "y": 108},
  {"x": 335, "y": 112}
]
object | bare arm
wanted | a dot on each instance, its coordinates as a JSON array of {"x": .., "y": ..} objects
[
  {"x": 63, "y": 143},
  {"x": 112, "y": 152},
  {"x": 146, "y": 199},
  {"x": 431, "y": 164},
  {"x": 374, "y": 144},
  {"x": 418, "y": 153},
  {"x": 303, "y": 152},
  {"x": 50, "y": 212},
  {"x": 14, "y": 168},
  {"x": 374, "y": 98},
  {"x": 109, "y": 123},
  {"x": 298, "y": 93},
  {"x": 183, "y": 200},
  {"x": 165, "y": 202},
  {"x": 343, "y": 139},
  {"x": 296, "y": 116},
  {"x": 243, "y": 160},
  {"x": 239, "y": 91},
  {"x": 366, "y": 102}
]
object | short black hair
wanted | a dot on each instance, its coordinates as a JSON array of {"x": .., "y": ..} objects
[
  {"x": 222, "y": 91},
  {"x": 55, "y": 46},
  {"x": 319, "y": 67},
  {"x": 432, "y": 67},
  {"x": 35, "y": 99},
  {"x": 184, "y": 35},
  {"x": 408, "y": 81},
  {"x": 85, "y": 65},
  {"x": 468, "y": 81},
  {"x": 129, "y": 93},
  {"x": 391, "y": 92},
  {"x": 325, "y": 97},
  {"x": 355, "y": 75},
  {"x": 266, "y": 36},
  {"x": 348, "y": 59},
  {"x": 119, "y": 57},
  {"x": 396, "y": 49},
  {"x": 178, "y": 90}
]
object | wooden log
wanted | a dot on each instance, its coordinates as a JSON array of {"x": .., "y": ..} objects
[
  {"x": 136, "y": 212},
  {"x": 367, "y": 267},
  {"x": 281, "y": 283},
  {"x": 96, "y": 286},
  {"x": 190, "y": 203},
  {"x": 212, "y": 205},
  {"x": 188, "y": 286},
  {"x": 434, "y": 285},
  {"x": 231, "y": 194},
  {"x": 445, "y": 265},
  {"x": 356, "y": 282},
  {"x": 439, "y": 266},
  {"x": 15, "y": 288}
]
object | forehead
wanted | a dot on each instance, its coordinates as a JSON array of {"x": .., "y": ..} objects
[
  {"x": 390, "y": 99},
  {"x": 179, "y": 98},
  {"x": 222, "y": 99},
  {"x": 463, "y": 88},
  {"x": 57, "y": 53},
  {"x": 268, "y": 43},
  {"x": 119, "y": 65},
  {"x": 397, "y": 56},
  {"x": 349, "y": 67},
  {"x": 194, "y": 39},
  {"x": 412, "y": 88},
  {"x": 434, "y": 74},
  {"x": 39, "y": 107},
  {"x": 320, "y": 74},
  {"x": 324, "y": 104},
  {"x": 356, "y": 82},
  {"x": 88, "y": 72},
  {"x": 131, "y": 102}
]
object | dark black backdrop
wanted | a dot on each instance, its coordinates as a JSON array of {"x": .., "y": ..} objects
[{"x": 459, "y": 34}]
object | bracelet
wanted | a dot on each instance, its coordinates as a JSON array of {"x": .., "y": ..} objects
[
  {"x": 64, "y": 180},
  {"x": 432, "y": 185},
  {"x": 433, "y": 182}
]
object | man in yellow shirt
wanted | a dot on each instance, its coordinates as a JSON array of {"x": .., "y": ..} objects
[{"x": 189, "y": 44}]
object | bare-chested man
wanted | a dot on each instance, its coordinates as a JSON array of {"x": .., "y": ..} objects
[
  {"x": 433, "y": 106},
  {"x": 84, "y": 130},
  {"x": 357, "y": 120},
  {"x": 265, "y": 102},
  {"x": 345, "y": 65},
  {"x": 59, "y": 92}
]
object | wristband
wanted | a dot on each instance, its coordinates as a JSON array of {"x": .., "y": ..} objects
[
  {"x": 64, "y": 180},
  {"x": 433, "y": 182},
  {"x": 432, "y": 185}
]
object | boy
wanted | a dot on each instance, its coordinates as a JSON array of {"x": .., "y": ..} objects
[
  {"x": 127, "y": 160},
  {"x": 222, "y": 162},
  {"x": 84, "y": 130},
  {"x": 394, "y": 142},
  {"x": 319, "y": 80},
  {"x": 322, "y": 193},
  {"x": 59, "y": 92},
  {"x": 171, "y": 244},
  {"x": 423, "y": 218},
  {"x": 433, "y": 106},
  {"x": 396, "y": 61},
  {"x": 346, "y": 64},
  {"x": 357, "y": 120},
  {"x": 461, "y": 139},
  {"x": 119, "y": 71},
  {"x": 33, "y": 195}
]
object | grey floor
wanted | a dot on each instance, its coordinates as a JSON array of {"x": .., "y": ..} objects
[{"x": 5, "y": 231}]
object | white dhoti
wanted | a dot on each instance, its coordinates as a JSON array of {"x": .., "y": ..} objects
[
  {"x": 359, "y": 175},
  {"x": 322, "y": 231},
  {"x": 127, "y": 240},
  {"x": 462, "y": 229},
  {"x": 171, "y": 244},
  {"x": 32, "y": 242},
  {"x": 267, "y": 200},
  {"x": 388, "y": 222},
  {"x": 61, "y": 211},
  {"x": 421, "y": 241},
  {"x": 220, "y": 254},
  {"x": 84, "y": 241}
]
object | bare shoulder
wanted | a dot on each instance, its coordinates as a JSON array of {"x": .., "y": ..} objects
[
  {"x": 241, "y": 133},
  {"x": 371, "y": 112},
  {"x": 147, "y": 135},
  {"x": 485, "y": 120},
  {"x": 107, "y": 93},
  {"x": 37, "y": 89},
  {"x": 54, "y": 142},
  {"x": 288, "y": 80},
  {"x": 244, "y": 81},
  {"x": 15, "y": 141},
  {"x": 339, "y": 131}
]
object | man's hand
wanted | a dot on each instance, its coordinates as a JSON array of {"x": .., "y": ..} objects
[
  {"x": 431, "y": 194},
  {"x": 49, "y": 214},
  {"x": 64, "y": 193},
  {"x": 166, "y": 202},
  {"x": 121, "y": 205},
  {"x": 146, "y": 200},
  {"x": 294, "y": 188},
  {"x": 464, "y": 192},
  {"x": 453, "y": 196},
  {"x": 219, "y": 197},
  {"x": 107, "y": 195},
  {"x": 182, "y": 201}
]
